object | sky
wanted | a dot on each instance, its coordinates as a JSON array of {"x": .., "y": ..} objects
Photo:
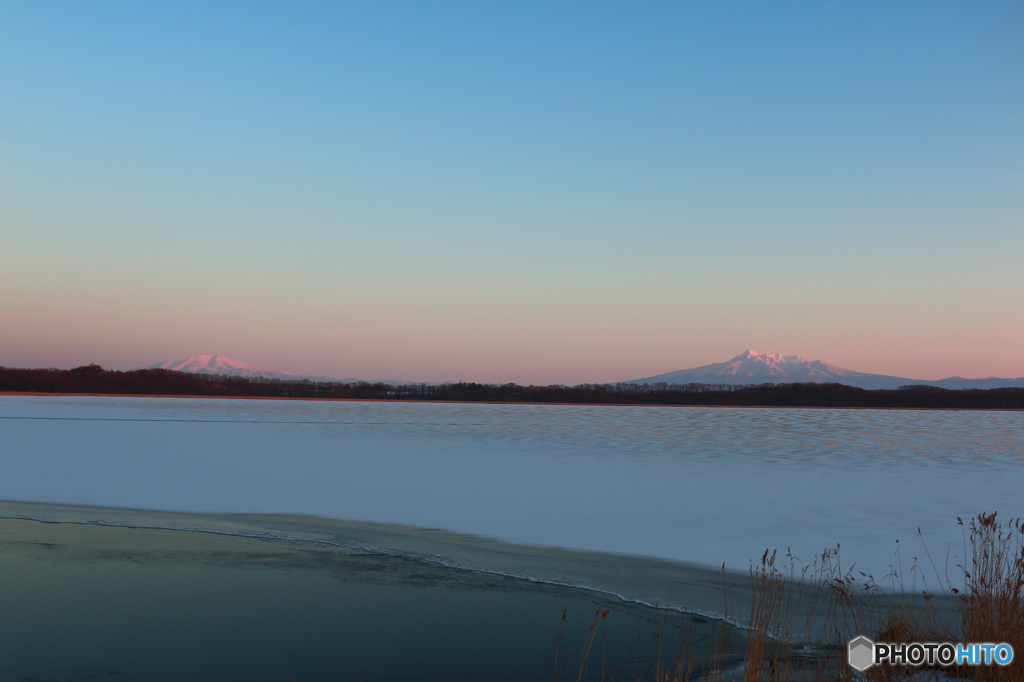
[{"x": 530, "y": 192}]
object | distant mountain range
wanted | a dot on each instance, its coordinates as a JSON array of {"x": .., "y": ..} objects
[
  {"x": 752, "y": 367},
  {"x": 218, "y": 364}
]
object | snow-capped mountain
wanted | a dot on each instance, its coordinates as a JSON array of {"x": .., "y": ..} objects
[
  {"x": 752, "y": 367},
  {"x": 218, "y": 364}
]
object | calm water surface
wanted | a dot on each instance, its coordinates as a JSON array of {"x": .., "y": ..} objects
[
  {"x": 706, "y": 485},
  {"x": 124, "y": 621}
]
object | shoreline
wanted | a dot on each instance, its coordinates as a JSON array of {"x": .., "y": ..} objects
[
  {"x": 447, "y": 550},
  {"x": 94, "y": 599},
  {"x": 633, "y": 582},
  {"x": 380, "y": 552},
  {"x": 506, "y": 402}
]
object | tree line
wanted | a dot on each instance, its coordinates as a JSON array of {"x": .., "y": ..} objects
[{"x": 94, "y": 380}]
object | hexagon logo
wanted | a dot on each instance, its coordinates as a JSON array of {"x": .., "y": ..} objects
[{"x": 860, "y": 653}]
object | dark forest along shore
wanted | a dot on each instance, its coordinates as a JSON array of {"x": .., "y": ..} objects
[{"x": 94, "y": 380}]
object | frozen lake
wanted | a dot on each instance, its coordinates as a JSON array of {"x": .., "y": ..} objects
[{"x": 704, "y": 485}]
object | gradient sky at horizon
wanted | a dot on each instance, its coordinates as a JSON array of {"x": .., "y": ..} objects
[{"x": 529, "y": 192}]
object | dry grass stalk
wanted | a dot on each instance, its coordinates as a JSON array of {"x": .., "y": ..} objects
[
  {"x": 564, "y": 663},
  {"x": 800, "y": 622},
  {"x": 992, "y": 607}
]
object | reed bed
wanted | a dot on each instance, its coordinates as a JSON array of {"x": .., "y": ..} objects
[{"x": 801, "y": 620}]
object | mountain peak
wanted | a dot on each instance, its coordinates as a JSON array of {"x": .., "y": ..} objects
[
  {"x": 753, "y": 367},
  {"x": 769, "y": 359},
  {"x": 223, "y": 366},
  {"x": 218, "y": 364}
]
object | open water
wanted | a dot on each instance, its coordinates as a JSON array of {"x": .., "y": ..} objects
[{"x": 701, "y": 485}]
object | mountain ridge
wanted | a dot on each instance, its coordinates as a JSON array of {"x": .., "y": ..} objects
[
  {"x": 223, "y": 366},
  {"x": 749, "y": 367},
  {"x": 753, "y": 367}
]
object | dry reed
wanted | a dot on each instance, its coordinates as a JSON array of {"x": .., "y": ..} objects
[
  {"x": 992, "y": 609},
  {"x": 801, "y": 621}
]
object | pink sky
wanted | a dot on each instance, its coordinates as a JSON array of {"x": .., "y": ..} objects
[
  {"x": 497, "y": 347},
  {"x": 521, "y": 192}
]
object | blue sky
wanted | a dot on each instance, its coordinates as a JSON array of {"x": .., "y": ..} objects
[{"x": 518, "y": 192}]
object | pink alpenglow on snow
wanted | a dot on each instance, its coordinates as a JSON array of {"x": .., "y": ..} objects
[
  {"x": 218, "y": 364},
  {"x": 752, "y": 367}
]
